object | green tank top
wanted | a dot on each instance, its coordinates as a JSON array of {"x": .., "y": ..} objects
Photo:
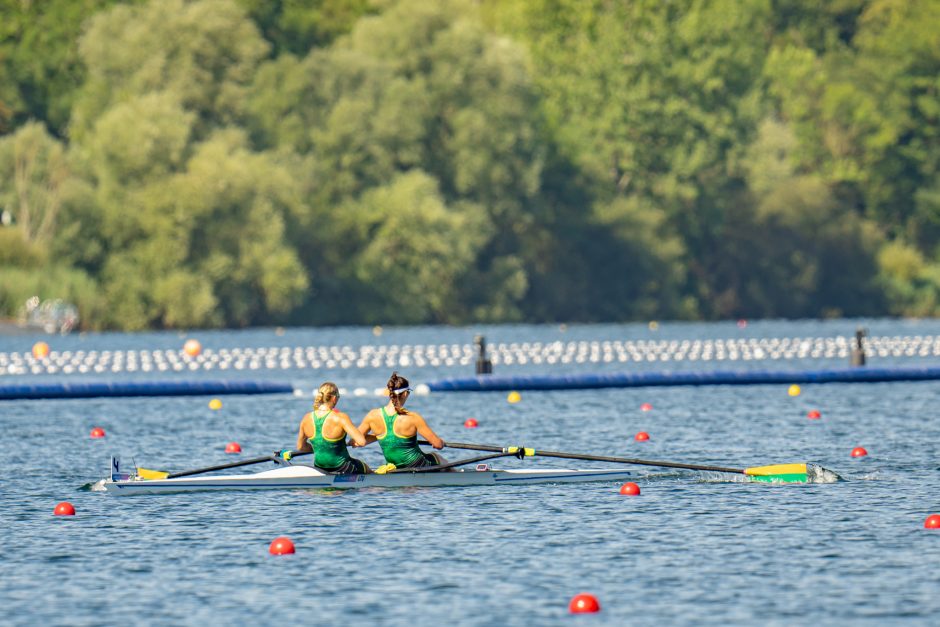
[
  {"x": 397, "y": 450},
  {"x": 327, "y": 454}
]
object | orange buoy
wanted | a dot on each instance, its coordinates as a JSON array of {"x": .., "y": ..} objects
[
  {"x": 281, "y": 546},
  {"x": 858, "y": 451},
  {"x": 814, "y": 414},
  {"x": 630, "y": 489},
  {"x": 642, "y": 436},
  {"x": 40, "y": 350},
  {"x": 233, "y": 447},
  {"x": 64, "y": 509},
  {"x": 584, "y": 603},
  {"x": 97, "y": 432},
  {"x": 742, "y": 323},
  {"x": 471, "y": 423},
  {"x": 932, "y": 522},
  {"x": 646, "y": 407},
  {"x": 192, "y": 347}
]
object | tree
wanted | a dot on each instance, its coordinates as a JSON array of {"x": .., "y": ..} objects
[{"x": 297, "y": 26}]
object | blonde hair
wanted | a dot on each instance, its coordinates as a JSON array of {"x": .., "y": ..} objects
[{"x": 327, "y": 392}]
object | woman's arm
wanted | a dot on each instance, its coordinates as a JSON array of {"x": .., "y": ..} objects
[
  {"x": 365, "y": 429},
  {"x": 302, "y": 444},
  {"x": 425, "y": 431},
  {"x": 351, "y": 430}
]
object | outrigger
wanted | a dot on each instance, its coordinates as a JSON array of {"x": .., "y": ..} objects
[{"x": 290, "y": 475}]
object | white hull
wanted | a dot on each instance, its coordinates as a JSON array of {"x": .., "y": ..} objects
[{"x": 298, "y": 476}]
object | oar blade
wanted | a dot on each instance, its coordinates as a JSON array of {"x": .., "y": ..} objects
[
  {"x": 145, "y": 473},
  {"x": 778, "y": 473}
]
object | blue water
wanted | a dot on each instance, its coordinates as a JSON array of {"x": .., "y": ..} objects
[{"x": 692, "y": 549}]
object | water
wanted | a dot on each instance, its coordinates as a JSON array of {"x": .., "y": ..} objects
[{"x": 692, "y": 549}]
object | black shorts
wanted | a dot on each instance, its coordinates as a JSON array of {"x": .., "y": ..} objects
[
  {"x": 352, "y": 467},
  {"x": 429, "y": 459}
]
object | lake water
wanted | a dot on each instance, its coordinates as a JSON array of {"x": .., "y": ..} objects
[{"x": 691, "y": 550}]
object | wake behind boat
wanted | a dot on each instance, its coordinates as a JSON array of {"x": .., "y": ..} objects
[{"x": 308, "y": 477}]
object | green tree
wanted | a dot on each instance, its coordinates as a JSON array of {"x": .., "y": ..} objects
[
  {"x": 40, "y": 69},
  {"x": 407, "y": 250},
  {"x": 189, "y": 220},
  {"x": 34, "y": 173},
  {"x": 297, "y": 26},
  {"x": 203, "y": 53},
  {"x": 424, "y": 87}
]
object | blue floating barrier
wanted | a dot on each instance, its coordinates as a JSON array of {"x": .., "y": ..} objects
[
  {"x": 490, "y": 383},
  {"x": 139, "y": 388}
]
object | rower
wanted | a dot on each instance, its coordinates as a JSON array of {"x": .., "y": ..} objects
[
  {"x": 396, "y": 429},
  {"x": 324, "y": 431}
]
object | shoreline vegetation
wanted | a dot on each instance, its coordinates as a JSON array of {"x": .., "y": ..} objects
[{"x": 233, "y": 163}]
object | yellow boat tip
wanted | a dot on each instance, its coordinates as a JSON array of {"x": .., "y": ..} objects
[{"x": 144, "y": 473}]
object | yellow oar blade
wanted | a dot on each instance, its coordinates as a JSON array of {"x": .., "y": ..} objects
[
  {"x": 783, "y": 473},
  {"x": 144, "y": 473}
]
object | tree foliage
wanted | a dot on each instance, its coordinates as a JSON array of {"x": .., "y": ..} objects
[{"x": 175, "y": 163}]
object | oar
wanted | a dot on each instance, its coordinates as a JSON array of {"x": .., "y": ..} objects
[
  {"x": 453, "y": 464},
  {"x": 144, "y": 473},
  {"x": 787, "y": 473}
]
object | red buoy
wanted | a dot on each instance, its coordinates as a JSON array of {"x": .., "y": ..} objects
[
  {"x": 97, "y": 432},
  {"x": 814, "y": 414},
  {"x": 233, "y": 447},
  {"x": 642, "y": 436},
  {"x": 64, "y": 509},
  {"x": 584, "y": 603},
  {"x": 858, "y": 451},
  {"x": 281, "y": 546},
  {"x": 646, "y": 407},
  {"x": 630, "y": 489},
  {"x": 932, "y": 522},
  {"x": 471, "y": 423}
]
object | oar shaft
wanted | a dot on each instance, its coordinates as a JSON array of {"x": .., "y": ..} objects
[
  {"x": 602, "y": 458},
  {"x": 641, "y": 462},
  {"x": 244, "y": 462}
]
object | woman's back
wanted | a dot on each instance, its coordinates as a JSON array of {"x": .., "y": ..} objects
[{"x": 327, "y": 423}]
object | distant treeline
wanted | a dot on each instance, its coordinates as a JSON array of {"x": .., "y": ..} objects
[{"x": 190, "y": 163}]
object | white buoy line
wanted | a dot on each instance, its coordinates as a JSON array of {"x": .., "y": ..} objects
[{"x": 463, "y": 355}]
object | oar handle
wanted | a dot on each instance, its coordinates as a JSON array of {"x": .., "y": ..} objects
[
  {"x": 244, "y": 462},
  {"x": 599, "y": 458}
]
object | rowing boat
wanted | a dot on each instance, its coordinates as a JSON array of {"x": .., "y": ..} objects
[{"x": 307, "y": 477}]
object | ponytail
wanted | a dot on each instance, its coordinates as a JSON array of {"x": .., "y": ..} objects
[
  {"x": 327, "y": 392},
  {"x": 396, "y": 382}
]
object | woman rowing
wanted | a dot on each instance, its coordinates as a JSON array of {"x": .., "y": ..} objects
[
  {"x": 324, "y": 431},
  {"x": 397, "y": 429}
]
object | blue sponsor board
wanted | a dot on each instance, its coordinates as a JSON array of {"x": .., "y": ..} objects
[{"x": 348, "y": 478}]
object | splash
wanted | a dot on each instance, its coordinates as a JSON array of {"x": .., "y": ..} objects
[{"x": 818, "y": 474}]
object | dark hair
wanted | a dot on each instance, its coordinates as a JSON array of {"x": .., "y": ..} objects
[{"x": 396, "y": 382}]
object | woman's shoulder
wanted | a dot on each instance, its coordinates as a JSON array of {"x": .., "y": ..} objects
[{"x": 337, "y": 413}]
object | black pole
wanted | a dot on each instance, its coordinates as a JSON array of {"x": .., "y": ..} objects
[
  {"x": 484, "y": 365},
  {"x": 858, "y": 351}
]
